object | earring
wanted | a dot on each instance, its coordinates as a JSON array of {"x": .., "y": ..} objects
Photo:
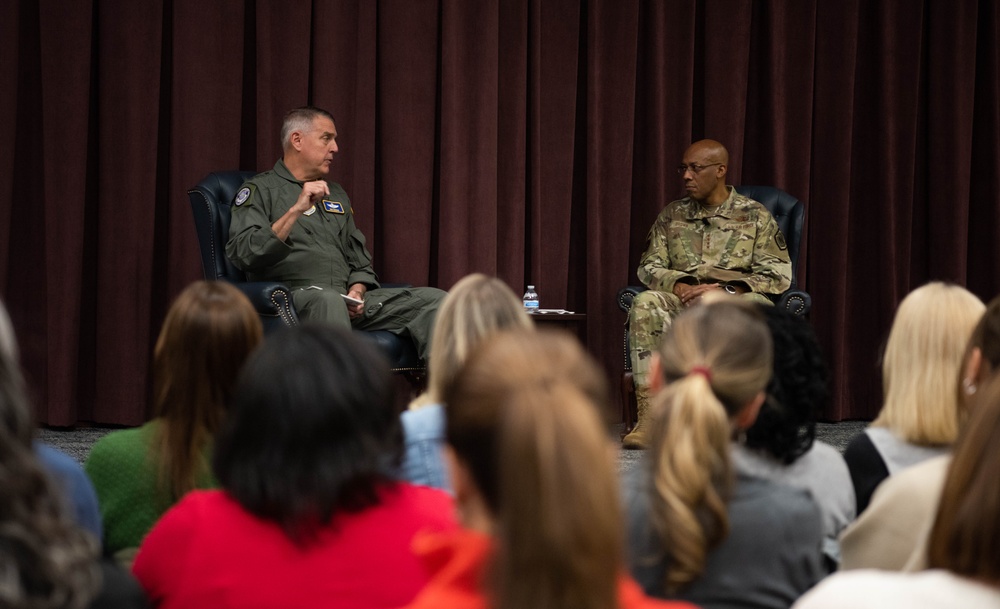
[{"x": 968, "y": 387}]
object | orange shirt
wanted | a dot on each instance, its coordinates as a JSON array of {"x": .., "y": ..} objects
[{"x": 456, "y": 562}]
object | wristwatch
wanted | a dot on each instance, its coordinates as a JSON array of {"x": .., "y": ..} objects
[{"x": 730, "y": 289}]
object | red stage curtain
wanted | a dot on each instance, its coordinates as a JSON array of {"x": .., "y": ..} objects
[{"x": 531, "y": 139}]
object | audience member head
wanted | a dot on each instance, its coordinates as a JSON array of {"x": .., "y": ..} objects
[
  {"x": 18, "y": 427},
  {"x": 476, "y": 308},
  {"x": 982, "y": 355},
  {"x": 786, "y": 425},
  {"x": 923, "y": 357},
  {"x": 533, "y": 465},
  {"x": 966, "y": 531},
  {"x": 46, "y": 560},
  {"x": 209, "y": 331},
  {"x": 311, "y": 429},
  {"x": 716, "y": 363}
]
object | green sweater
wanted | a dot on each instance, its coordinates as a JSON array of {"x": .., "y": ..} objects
[{"x": 124, "y": 472}]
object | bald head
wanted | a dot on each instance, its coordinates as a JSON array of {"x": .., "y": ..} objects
[
  {"x": 704, "y": 172},
  {"x": 709, "y": 150}
]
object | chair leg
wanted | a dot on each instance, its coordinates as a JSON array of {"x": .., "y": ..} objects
[
  {"x": 417, "y": 380},
  {"x": 629, "y": 407},
  {"x": 409, "y": 384}
]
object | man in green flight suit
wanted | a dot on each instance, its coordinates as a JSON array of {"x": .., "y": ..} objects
[
  {"x": 291, "y": 225},
  {"x": 712, "y": 240}
]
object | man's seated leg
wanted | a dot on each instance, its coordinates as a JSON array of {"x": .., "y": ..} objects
[
  {"x": 321, "y": 305},
  {"x": 649, "y": 319},
  {"x": 405, "y": 311}
]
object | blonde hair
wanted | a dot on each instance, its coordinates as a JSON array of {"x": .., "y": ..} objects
[
  {"x": 523, "y": 417},
  {"x": 717, "y": 359},
  {"x": 923, "y": 359},
  {"x": 476, "y": 307}
]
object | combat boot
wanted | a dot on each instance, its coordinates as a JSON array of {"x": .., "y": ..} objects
[{"x": 637, "y": 437}]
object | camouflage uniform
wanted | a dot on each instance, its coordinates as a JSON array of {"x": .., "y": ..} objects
[
  {"x": 737, "y": 242},
  {"x": 323, "y": 255}
]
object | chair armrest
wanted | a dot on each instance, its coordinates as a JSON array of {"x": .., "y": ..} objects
[
  {"x": 272, "y": 299},
  {"x": 626, "y": 294},
  {"x": 797, "y": 302}
]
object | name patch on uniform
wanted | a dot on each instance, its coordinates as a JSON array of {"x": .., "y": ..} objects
[
  {"x": 311, "y": 211},
  {"x": 334, "y": 207},
  {"x": 242, "y": 196}
]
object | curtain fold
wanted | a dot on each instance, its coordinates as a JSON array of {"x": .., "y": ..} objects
[
  {"x": 408, "y": 135},
  {"x": 983, "y": 248},
  {"x": 465, "y": 175},
  {"x": 10, "y": 67},
  {"x": 531, "y": 139},
  {"x": 612, "y": 60},
  {"x": 65, "y": 53}
]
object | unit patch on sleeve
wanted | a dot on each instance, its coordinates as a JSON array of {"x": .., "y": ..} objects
[{"x": 243, "y": 195}]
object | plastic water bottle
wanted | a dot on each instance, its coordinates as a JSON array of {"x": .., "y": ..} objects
[{"x": 530, "y": 300}]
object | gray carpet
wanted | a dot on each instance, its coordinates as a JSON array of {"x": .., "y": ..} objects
[
  {"x": 835, "y": 434},
  {"x": 77, "y": 442}
]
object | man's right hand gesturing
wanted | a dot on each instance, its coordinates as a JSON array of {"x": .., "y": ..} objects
[{"x": 311, "y": 192}]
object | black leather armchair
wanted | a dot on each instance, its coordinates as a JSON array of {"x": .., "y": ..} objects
[
  {"x": 211, "y": 203},
  {"x": 789, "y": 213}
]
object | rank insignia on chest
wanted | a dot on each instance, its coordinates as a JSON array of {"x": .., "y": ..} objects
[
  {"x": 311, "y": 211},
  {"x": 333, "y": 207}
]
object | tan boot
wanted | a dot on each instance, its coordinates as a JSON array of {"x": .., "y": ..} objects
[{"x": 637, "y": 439}]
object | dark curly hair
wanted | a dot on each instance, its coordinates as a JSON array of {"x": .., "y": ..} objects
[{"x": 797, "y": 393}]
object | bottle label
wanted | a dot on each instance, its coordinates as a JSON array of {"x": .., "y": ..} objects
[{"x": 530, "y": 304}]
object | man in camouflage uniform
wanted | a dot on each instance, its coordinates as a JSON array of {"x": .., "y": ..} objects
[
  {"x": 291, "y": 225},
  {"x": 715, "y": 239}
]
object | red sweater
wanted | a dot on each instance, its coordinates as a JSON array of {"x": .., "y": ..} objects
[
  {"x": 457, "y": 562},
  {"x": 208, "y": 552}
]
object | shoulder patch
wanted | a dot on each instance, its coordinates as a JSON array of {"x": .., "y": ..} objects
[
  {"x": 780, "y": 240},
  {"x": 243, "y": 194}
]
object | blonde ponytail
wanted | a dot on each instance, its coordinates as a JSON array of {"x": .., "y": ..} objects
[
  {"x": 715, "y": 360},
  {"x": 691, "y": 476}
]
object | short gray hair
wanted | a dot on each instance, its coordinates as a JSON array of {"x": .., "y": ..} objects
[{"x": 300, "y": 119}]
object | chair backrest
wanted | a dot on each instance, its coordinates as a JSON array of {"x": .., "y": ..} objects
[
  {"x": 211, "y": 204},
  {"x": 788, "y": 212}
]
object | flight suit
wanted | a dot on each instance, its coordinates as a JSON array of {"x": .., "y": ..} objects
[{"x": 322, "y": 257}]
